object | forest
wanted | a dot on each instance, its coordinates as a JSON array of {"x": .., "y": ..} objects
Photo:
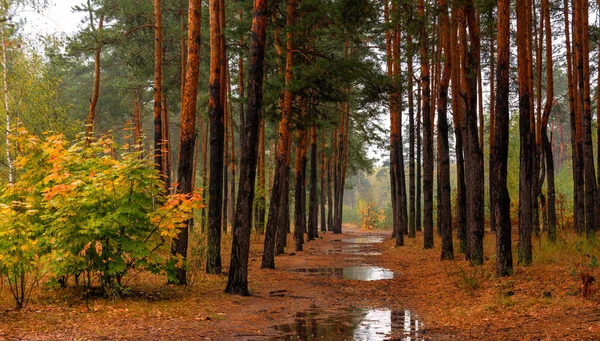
[{"x": 301, "y": 169}]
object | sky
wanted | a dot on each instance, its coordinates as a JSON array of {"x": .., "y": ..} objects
[{"x": 57, "y": 18}]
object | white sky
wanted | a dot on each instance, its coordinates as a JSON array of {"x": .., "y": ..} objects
[{"x": 58, "y": 18}]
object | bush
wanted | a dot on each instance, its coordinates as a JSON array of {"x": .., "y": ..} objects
[
  {"x": 369, "y": 215},
  {"x": 88, "y": 212}
]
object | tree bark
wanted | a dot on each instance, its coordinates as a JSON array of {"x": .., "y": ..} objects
[
  {"x": 323, "y": 185},
  {"x": 578, "y": 200},
  {"x": 261, "y": 190},
  {"x": 499, "y": 148},
  {"x": 492, "y": 121},
  {"x": 473, "y": 152},
  {"x": 393, "y": 51},
  {"x": 137, "y": 122},
  {"x": 237, "y": 282},
  {"x": 205, "y": 174},
  {"x": 457, "y": 114},
  {"x": 411, "y": 143},
  {"x": 9, "y": 160},
  {"x": 278, "y": 208},
  {"x": 427, "y": 133},
  {"x": 526, "y": 136},
  {"x": 96, "y": 91},
  {"x": 187, "y": 132},
  {"x": 166, "y": 145},
  {"x": 313, "y": 208},
  {"x": 330, "y": 203},
  {"x": 217, "y": 135},
  {"x": 445, "y": 207},
  {"x": 158, "y": 71},
  {"x": 546, "y": 142},
  {"x": 299, "y": 193},
  {"x": 418, "y": 222},
  {"x": 583, "y": 69}
]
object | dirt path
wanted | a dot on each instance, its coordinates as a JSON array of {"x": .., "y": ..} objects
[
  {"x": 292, "y": 297},
  {"x": 307, "y": 294}
]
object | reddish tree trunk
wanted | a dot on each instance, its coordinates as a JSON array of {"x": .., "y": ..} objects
[
  {"x": 187, "y": 132},
  {"x": 278, "y": 208}
]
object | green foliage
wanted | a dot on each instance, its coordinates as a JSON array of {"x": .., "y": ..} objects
[
  {"x": 87, "y": 212},
  {"x": 19, "y": 248}
]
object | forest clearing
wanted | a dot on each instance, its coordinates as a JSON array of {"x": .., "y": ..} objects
[{"x": 300, "y": 170}]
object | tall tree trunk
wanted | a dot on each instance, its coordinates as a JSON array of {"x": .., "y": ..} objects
[
  {"x": 499, "y": 148},
  {"x": 217, "y": 135},
  {"x": 526, "y": 136},
  {"x": 166, "y": 145},
  {"x": 278, "y": 208},
  {"x": 299, "y": 218},
  {"x": 445, "y": 207},
  {"x": 457, "y": 114},
  {"x": 546, "y": 142},
  {"x": 323, "y": 185},
  {"x": 392, "y": 49},
  {"x": 158, "y": 70},
  {"x": 598, "y": 116},
  {"x": 492, "y": 121},
  {"x": 232, "y": 163},
  {"x": 411, "y": 142},
  {"x": 401, "y": 176},
  {"x": 187, "y": 132},
  {"x": 137, "y": 122},
  {"x": 204, "y": 173},
  {"x": 261, "y": 190},
  {"x": 9, "y": 160},
  {"x": 427, "y": 133},
  {"x": 473, "y": 152},
  {"x": 418, "y": 222},
  {"x": 536, "y": 184},
  {"x": 313, "y": 208},
  {"x": 241, "y": 77},
  {"x": 592, "y": 210},
  {"x": 340, "y": 165},
  {"x": 96, "y": 91},
  {"x": 223, "y": 100},
  {"x": 226, "y": 183},
  {"x": 578, "y": 208},
  {"x": 330, "y": 203},
  {"x": 237, "y": 282}
]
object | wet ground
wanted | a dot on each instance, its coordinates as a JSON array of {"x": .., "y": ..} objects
[
  {"x": 357, "y": 273},
  {"x": 352, "y": 323}
]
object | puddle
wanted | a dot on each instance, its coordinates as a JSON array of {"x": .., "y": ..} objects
[
  {"x": 358, "y": 273},
  {"x": 358, "y": 325},
  {"x": 360, "y": 246},
  {"x": 353, "y": 249},
  {"x": 364, "y": 240}
]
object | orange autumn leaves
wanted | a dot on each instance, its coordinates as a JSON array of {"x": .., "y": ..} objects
[{"x": 92, "y": 207}]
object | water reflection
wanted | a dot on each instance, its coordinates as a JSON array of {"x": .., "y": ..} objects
[
  {"x": 364, "y": 240},
  {"x": 357, "y": 273},
  {"x": 358, "y": 325}
]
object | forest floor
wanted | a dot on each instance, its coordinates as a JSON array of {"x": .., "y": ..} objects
[{"x": 307, "y": 295}]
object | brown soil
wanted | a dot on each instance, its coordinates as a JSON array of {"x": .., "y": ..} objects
[{"x": 455, "y": 301}]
